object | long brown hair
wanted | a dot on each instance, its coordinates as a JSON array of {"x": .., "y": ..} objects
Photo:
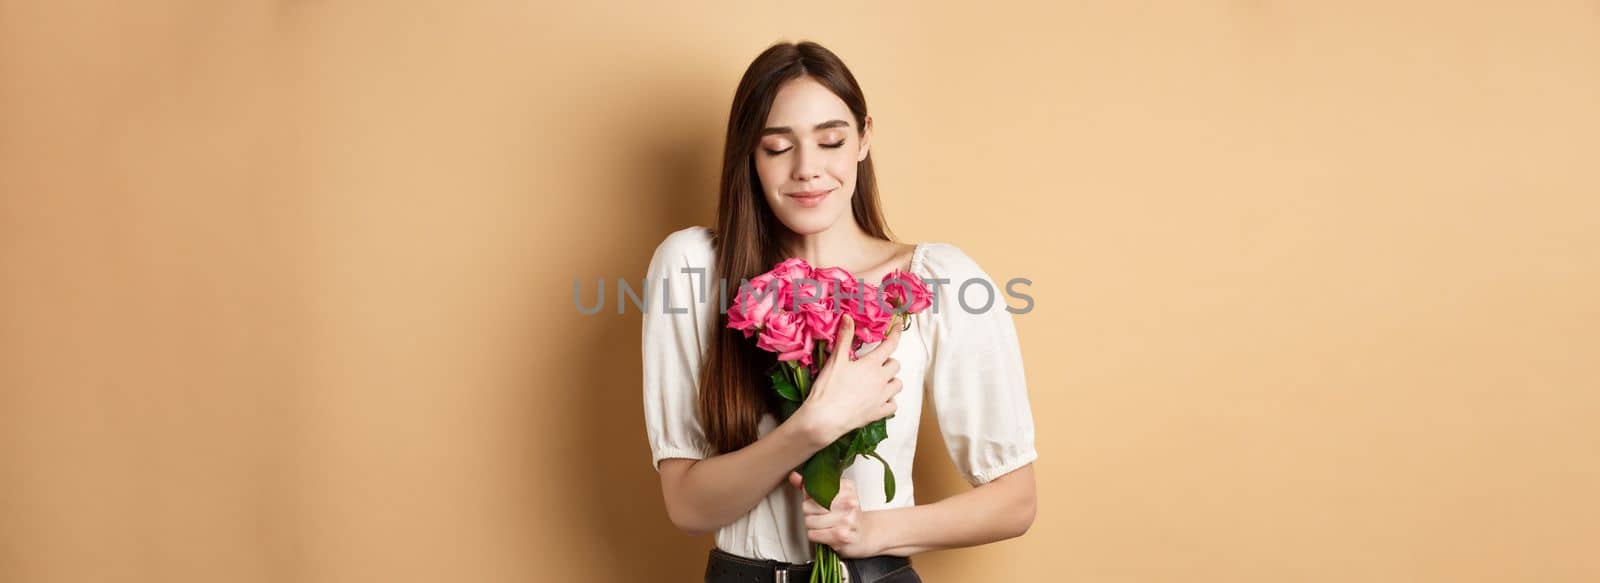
[{"x": 733, "y": 395}]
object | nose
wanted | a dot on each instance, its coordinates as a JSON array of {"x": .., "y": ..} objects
[{"x": 806, "y": 166}]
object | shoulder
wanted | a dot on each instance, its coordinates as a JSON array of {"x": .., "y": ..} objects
[
  {"x": 691, "y": 246},
  {"x": 970, "y": 312}
]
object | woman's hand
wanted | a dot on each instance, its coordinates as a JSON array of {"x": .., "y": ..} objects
[
  {"x": 844, "y": 527},
  {"x": 852, "y": 392}
]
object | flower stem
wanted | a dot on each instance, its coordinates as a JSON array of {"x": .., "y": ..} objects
[{"x": 827, "y": 568}]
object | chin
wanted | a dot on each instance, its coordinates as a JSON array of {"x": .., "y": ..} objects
[
  {"x": 810, "y": 223},
  {"x": 806, "y": 225}
]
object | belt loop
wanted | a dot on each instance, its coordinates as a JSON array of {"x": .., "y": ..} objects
[{"x": 781, "y": 574}]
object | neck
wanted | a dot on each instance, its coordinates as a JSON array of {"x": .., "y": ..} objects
[{"x": 842, "y": 245}]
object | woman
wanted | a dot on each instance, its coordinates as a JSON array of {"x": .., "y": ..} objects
[{"x": 797, "y": 181}]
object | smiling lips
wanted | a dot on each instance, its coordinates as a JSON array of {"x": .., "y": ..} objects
[{"x": 810, "y": 198}]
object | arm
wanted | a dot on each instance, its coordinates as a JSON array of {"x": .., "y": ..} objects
[
  {"x": 1000, "y": 509},
  {"x": 702, "y": 495},
  {"x": 978, "y": 389}
]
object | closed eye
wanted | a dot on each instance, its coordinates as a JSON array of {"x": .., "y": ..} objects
[{"x": 771, "y": 152}]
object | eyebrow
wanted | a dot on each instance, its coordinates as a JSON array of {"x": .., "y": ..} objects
[{"x": 832, "y": 123}]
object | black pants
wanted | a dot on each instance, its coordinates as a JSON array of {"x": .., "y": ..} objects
[{"x": 724, "y": 567}]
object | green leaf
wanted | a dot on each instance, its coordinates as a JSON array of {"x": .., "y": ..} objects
[
  {"x": 844, "y": 440},
  {"x": 842, "y": 447},
  {"x": 822, "y": 476},
  {"x": 888, "y": 477},
  {"x": 786, "y": 409},
  {"x": 784, "y": 387},
  {"x": 858, "y": 444},
  {"x": 873, "y": 434}
]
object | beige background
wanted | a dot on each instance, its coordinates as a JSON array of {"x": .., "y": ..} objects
[{"x": 287, "y": 285}]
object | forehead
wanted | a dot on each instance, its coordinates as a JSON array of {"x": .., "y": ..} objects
[{"x": 803, "y": 102}]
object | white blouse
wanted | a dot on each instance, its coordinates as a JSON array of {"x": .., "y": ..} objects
[{"x": 969, "y": 364}]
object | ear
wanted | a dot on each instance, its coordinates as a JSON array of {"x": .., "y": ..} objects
[{"x": 866, "y": 139}]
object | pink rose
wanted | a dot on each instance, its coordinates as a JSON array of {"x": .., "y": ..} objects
[
  {"x": 822, "y": 320},
  {"x": 835, "y": 280},
  {"x": 906, "y": 292},
  {"x": 794, "y": 307},
  {"x": 806, "y": 293},
  {"x": 871, "y": 314},
  {"x": 791, "y": 268},
  {"x": 785, "y": 333},
  {"x": 753, "y": 304},
  {"x": 789, "y": 272}
]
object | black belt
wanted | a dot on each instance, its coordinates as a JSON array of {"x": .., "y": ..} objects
[{"x": 725, "y": 567}]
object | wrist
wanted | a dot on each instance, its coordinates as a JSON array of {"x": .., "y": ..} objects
[
  {"x": 812, "y": 430},
  {"x": 876, "y": 529}
]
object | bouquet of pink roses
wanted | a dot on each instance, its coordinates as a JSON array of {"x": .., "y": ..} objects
[{"x": 794, "y": 312}]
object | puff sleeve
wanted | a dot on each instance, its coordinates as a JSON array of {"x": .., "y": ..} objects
[
  {"x": 975, "y": 377},
  {"x": 673, "y": 338}
]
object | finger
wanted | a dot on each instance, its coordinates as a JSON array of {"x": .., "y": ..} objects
[
  {"x": 834, "y": 537},
  {"x": 893, "y": 387},
  {"x": 886, "y": 348},
  {"x": 843, "y": 336},
  {"x": 847, "y": 499},
  {"x": 796, "y": 480},
  {"x": 891, "y": 367},
  {"x": 825, "y": 536},
  {"x": 826, "y": 521},
  {"x": 811, "y": 507}
]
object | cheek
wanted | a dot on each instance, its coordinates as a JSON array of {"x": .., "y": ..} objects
[
  {"x": 844, "y": 167},
  {"x": 769, "y": 174}
]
